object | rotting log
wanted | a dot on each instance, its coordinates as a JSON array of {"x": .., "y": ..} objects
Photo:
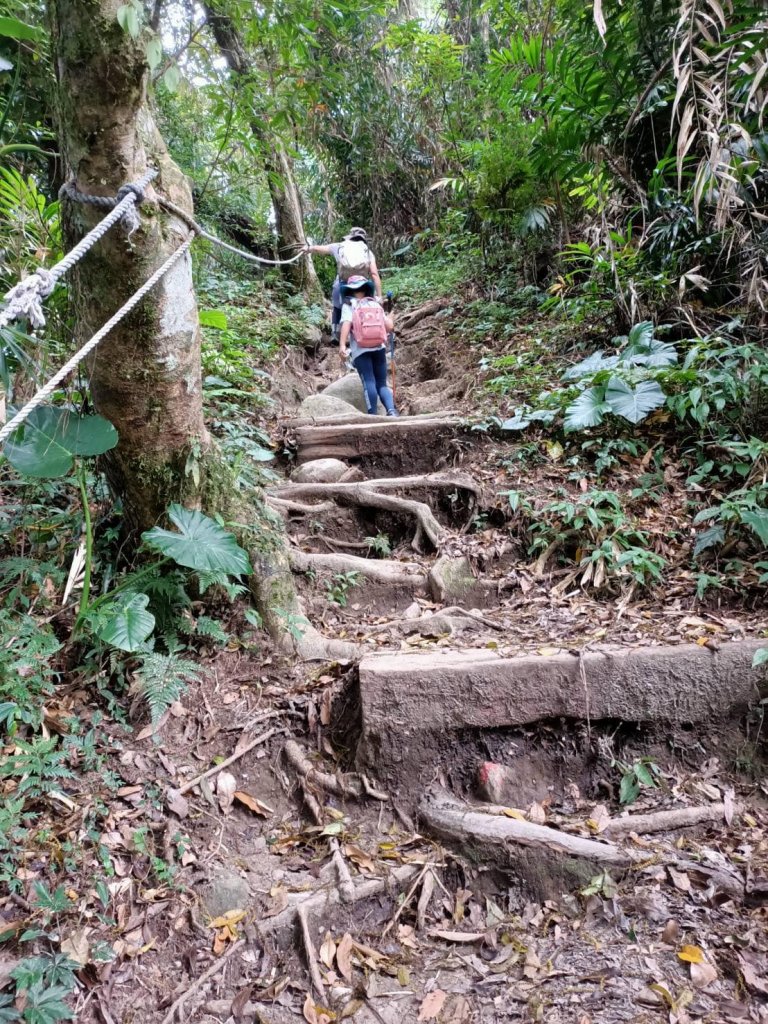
[
  {"x": 411, "y": 701},
  {"x": 422, "y": 440}
]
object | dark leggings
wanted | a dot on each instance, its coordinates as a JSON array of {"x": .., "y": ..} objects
[{"x": 372, "y": 367}]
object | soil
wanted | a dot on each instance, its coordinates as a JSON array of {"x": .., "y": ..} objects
[{"x": 464, "y": 940}]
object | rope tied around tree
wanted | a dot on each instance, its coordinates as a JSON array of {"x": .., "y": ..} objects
[
  {"x": 25, "y": 299},
  {"x": 130, "y": 217}
]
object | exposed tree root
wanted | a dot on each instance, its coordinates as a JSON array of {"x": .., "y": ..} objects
[
  {"x": 428, "y": 309},
  {"x": 426, "y": 481},
  {"x": 345, "y": 786},
  {"x": 378, "y": 570},
  {"x": 452, "y": 820},
  {"x": 664, "y": 821},
  {"x": 213, "y": 970},
  {"x": 285, "y": 505}
]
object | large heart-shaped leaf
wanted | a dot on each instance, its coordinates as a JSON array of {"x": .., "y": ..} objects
[
  {"x": 586, "y": 411},
  {"x": 126, "y": 624},
  {"x": 597, "y": 361},
  {"x": 47, "y": 443},
  {"x": 200, "y": 543},
  {"x": 633, "y": 404}
]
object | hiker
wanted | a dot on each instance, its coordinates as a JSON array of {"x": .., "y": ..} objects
[
  {"x": 353, "y": 257},
  {"x": 365, "y": 328}
]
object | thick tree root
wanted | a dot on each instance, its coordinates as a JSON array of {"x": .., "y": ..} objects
[
  {"x": 375, "y": 569},
  {"x": 426, "y": 481},
  {"x": 470, "y": 827},
  {"x": 345, "y": 786}
]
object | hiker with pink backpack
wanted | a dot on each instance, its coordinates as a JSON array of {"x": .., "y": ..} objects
[
  {"x": 353, "y": 259},
  {"x": 365, "y": 328}
]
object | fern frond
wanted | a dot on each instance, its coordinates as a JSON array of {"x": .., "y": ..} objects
[{"x": 162, "y": 678}]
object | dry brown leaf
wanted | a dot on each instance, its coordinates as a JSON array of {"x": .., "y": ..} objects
[
  {"x": 598, "y": 820},
  {"x": 226, "y": 784},
  {"x": 176, "y": 803},
  {"x": 407, "y": 936},
  {"x": 671, "y": 932},
  {"x": 752, "y": 979},
  {"x": 359, "y": 857},
  {"x": 351, "y": 1008},
  {"x": 432, "y": 1005},
  {"x": 253, "y": 803},
  {"x": 237, "y": 1006},
  {"x": 532, "y": 964},
  {"x": 703, "y": 974},
  {"x": 310, "y": 1013},
  {"x": 328, "y": 951},
  {"x": 458, "y": 936},
  {"x": 536, "y": 813},
  {"x": 76, "y": 946},
  {"x": 460, "y": 1012},
  {"x": 343, "y": 954},
  {"x": 680, "y": 880},
  {"x": 228, "y": 920}
]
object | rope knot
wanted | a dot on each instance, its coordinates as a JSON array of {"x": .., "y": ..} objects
[
  {"x": 131, "y": 188},
  {"x": 25, "y": 299}
]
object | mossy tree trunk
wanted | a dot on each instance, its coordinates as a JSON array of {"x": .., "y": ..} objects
[{"x": 146, "y": 375}]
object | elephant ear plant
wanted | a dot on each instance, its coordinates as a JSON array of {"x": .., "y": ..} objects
[{"x": 53, "y": 443}]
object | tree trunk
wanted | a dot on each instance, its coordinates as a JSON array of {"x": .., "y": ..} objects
[
  {"x": 146, "y": 375},
  {"x": 281, "y": 180}
]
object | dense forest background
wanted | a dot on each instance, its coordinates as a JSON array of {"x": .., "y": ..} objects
[{"x": 583, "y": 185}]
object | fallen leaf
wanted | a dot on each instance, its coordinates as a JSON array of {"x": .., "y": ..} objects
[
  {"x": 226, "y": 784},
  {"x": 728, "y": 806},
  {"x": 671, "y": 932},
  {"x": 432, "y": 1005},
  {"x": 343, "y": 954},
  {"x": 752, "y": 979},
  {"x": 680, "y": 879},
  {"x": 598, "y": 820},
  {"x": 459, "y": 1013},
  {"x": 253, "y": 803},
  {"x": 548, "y": 652},
  {"x": 238, "y": 1003},
  {"x": 691, "y": 955},
  {"x": 76, "y": 946},
  {"x": 176, "y": 803},
  {"x": 458, "y": 936},
  {"x": 407, "y": 936},
  {"x": 231, "y": 918},
  {"x": 536, "y": 813},
  {"x": 532, "y": 964},
  {"x": 310, "y": 1013},
  {"x": 512, "y": 812},
  {"x": 328, "y": 951},
  {"x": 702, "y": 974},
  {"x": 359, "y": 857},
  {"x": 351, "y": 1008}
]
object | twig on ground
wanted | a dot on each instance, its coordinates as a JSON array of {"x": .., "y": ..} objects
[
  {"x": 346, "y": 885},
  {"x": 426, "y": 895},
  {"x": 309, "y": 947},
  {"x": 229, "y": 760},
  {"x": 196, "y": 984},
  {"x": 407, "y": 900},
  {"x": 343, "y": 785}
]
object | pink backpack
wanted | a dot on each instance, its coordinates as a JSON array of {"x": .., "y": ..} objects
[{"x": 368, "y": 325}]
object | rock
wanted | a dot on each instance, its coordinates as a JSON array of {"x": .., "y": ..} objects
[
  {"x": 312, "y": 336},
  {"x": 350, "y": 389},
  {"x": 324, "y": 406},
  {"x": 226, "y": 891},
  {"x": 320, "y": 471},
  {"x": 451, "y": 580},
  {"x": 514, "y": 785}
]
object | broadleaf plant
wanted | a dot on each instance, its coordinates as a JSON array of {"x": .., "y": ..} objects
[{"x": 200, "y": 543}]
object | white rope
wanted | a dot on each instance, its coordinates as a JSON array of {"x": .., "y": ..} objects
[
  {"x": 25, "y": 299},
  {"x": 69, "y": 366},
  {"x": 190, "y": 222}
]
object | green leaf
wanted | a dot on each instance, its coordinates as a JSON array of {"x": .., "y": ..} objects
[
  {"x": 643, "y": 774},
  {"x": 760, "y": 657},
  {"x": 586, "y": 411},
  {"x": 172, "y": 78},
  {"x": 154, "y": 52},
  {"x": 708, "y": 538},
  {"x": 597, "y": 361},
  {"x": 12, "y": 28},
  {"x": 633, "y": 404},
  {"x": 47, "y": 443},
  {"x": 128, "y": 20},
  {"x": 213, "y": 318},
  {"x": 259, "y": 454},
  {"x": 629, "y": 790},
  {"x": 200, "y": 544},
  {"x": 126, "y": 624},
  {"x": 758, "y": 522},
  {"x": 641, "y": 335}
]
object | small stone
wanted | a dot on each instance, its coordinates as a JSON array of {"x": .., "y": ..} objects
[
  {"x": 226, "y": 891},
  {"x": 349, "y": 389},
  {"x": 319, "y": 471}
]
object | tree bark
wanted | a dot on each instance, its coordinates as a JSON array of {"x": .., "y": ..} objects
[
  {"x": 281, "y": 180},
  {"x": 146, "y": 375}
]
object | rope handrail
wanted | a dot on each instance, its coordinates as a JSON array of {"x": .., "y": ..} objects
[{"x": 24, "y": 300}]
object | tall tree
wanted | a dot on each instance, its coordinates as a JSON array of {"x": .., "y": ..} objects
[
  {"x": 145, "y": 376},
  {"x": 283, "y": 188}
]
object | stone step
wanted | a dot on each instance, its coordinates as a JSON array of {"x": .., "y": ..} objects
[{"x": 412, "y": 702}]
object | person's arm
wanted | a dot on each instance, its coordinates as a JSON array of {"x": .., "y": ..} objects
[
  {"x": 389, "y": 322},
  {"x": 320, "y": 250},
  {"x": 346, "y": 327},
  {"x": 376, "y": 278}
]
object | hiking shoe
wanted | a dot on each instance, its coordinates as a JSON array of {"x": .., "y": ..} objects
[{"x": 393, "y": 412}]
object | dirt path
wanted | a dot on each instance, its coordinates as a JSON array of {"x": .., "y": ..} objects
[{"x": 303, "y": 890}]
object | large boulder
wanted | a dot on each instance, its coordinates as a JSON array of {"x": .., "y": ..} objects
[
  {"x": 324, "y": 406},
  {"x": 320, "y": 471},
  {"x": 350, "y": 389}
]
